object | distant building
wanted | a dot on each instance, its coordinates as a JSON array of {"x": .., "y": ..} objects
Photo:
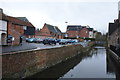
[
  {"x": 91, "y": 34},
  {"x": 84, "y": 33},
  {"x": 73, "y": 31},
  {"x": 94, "y": 33},
  {"x": 49, "y": 31},
  {"x": 78, "y": 31}
]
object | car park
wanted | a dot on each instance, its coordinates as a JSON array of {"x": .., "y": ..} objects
[
  {"x": 38, "y": 40},
  {"x": 63, "y": 41},
  {"x": 49, "y": 41},
  {"x": 58, "y": 40}
]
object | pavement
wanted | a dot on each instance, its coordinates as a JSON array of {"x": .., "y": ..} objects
[
  {"x": 25, "y": 46},
  {"x": 29, "y": 46}
]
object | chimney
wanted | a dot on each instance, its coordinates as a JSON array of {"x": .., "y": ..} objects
[{"x": 1, "y": 11}]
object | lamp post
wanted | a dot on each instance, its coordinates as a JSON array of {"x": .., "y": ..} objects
[
  {"x": 66, "y": 35},
  {"x": 66, "y": 23}
]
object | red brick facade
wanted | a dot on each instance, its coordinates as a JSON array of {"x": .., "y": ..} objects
[
  {"x": 16, "y": 31},
  {"x": 84, "y": 32},
  {"x": 72, "y": 34},
  {"x": 45, "y": 32},
  {"x": 15, "y": 28}
]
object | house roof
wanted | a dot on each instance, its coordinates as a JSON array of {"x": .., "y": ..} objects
[
  {"x": 16, "y": 20},
  {"x": 74, "y": 27},
  {"x": 23, "y": 19},
  {"x": 58, "y": 30},
  {"x": 54, "y": 29},
  {"x": 90, "y": 29},
  {"x": 113, "y": 27}
]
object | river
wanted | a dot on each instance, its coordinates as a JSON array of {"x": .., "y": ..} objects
[{"x": 93, "y": 64}]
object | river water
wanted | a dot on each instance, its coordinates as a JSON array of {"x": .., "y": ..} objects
[{"x": 94, "y": 64}]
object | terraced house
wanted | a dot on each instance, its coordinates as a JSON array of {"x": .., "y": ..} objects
[
  {"x": 49, "y": 31},
  {"x": 16, "y": 28}
]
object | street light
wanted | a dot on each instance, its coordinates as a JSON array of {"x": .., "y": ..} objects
[
  {"x": 66, "y": 23},
  {"x": 66, "y": 35}
]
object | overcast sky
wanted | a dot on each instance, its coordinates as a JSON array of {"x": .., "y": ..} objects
[{"x": 95, "y": 13}]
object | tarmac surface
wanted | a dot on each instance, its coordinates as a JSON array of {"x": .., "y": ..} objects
[
  {"x": 26, "y": 46},
  {"x": 29, "y": 46}
]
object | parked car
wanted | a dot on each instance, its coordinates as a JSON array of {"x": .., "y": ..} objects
[
  {"x": 49, "y": 41},
  {"x": 58, "y": 40},
  {"x": 63, "y": 41},
  {"x": 23, "y": 39},
  {"x": 30, "y": 40},
  {"x": 73, "y": 41},
  {"x": 38, "y": 40},
  {"x": 9, "y": 39},
  {"x": 70, "y": 41}
]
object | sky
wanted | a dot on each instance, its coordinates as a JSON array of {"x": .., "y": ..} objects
[{"x": 95, "y": 13}]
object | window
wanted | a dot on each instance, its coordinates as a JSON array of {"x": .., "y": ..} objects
[{"x": 25, "y": 27}]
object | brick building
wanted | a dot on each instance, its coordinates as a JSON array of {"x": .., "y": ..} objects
[
  {"x": 91, "y": 33},
  {"x": 77, "y": 31},
  {"x": 114, "y": 37},
  {"x": 49, "y": 31},
  {"x": 16, "y": 28},
  {"x": 84, "y": 33},
  {"x": 114, "y": 34}
]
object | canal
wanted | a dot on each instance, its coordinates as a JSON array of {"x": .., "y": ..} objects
[{"x": 96, "y": 63}]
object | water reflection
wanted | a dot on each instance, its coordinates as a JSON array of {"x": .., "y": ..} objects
[
  {"x": 112, "y": 67},
  {"x": 93, "y": 64}
]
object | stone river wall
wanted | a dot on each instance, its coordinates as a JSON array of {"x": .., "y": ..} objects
[{"x": 26, "y": 63}]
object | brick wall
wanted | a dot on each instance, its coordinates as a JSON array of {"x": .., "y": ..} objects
[
  {"x": 84, "y": 33},
  {"x": 81, "y": 33},
  {"x": 26, "y": 63},
  {"x": 113, "y": 38},
  {"x": 16, "y": 31},
  {"x": 72, "y": 33},
  {"x": 44, "y": 31}
]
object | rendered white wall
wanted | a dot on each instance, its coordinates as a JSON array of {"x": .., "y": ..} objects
[
  {"x": 3, "y": 29},
  {"x": 3, "y": 25},
  {"x": 91, "y": 34}
]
